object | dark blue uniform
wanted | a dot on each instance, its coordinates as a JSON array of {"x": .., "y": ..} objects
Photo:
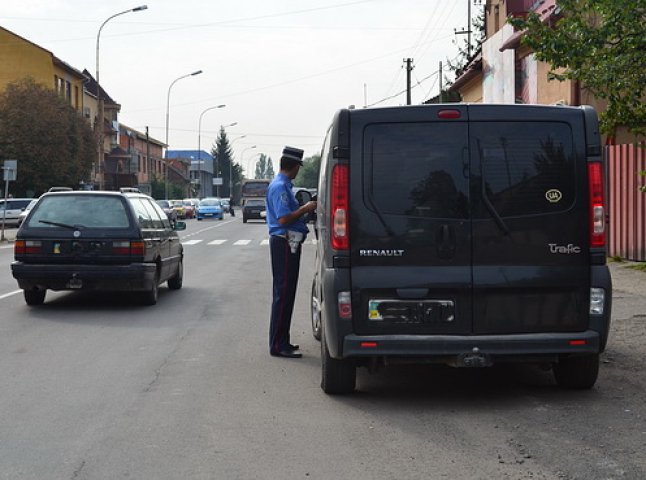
[{"x": 284, "y": 264}]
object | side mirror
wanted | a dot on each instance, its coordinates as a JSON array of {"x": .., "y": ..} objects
[
  {"x": 303, "y": 196},
  {"x": 179, "y": 226}
]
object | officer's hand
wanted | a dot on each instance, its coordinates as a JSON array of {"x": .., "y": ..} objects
[{"x": 309, "y": 206}]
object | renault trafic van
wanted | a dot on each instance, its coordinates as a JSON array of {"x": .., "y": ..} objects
[{"x": 461, "y": 234}]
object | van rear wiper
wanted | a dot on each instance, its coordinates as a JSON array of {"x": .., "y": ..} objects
[
  {"x": 64, "y": 225},
  {"x": 492, "y": 210}
]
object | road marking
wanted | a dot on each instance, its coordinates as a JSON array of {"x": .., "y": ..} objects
[
  {"x": 6, "y": 248},
  {"x": 217, "y": 242},
  {"x": 265, "y": 242},
  {"x": 192, "y": 242},
  {"x": 242, "y": 242},
  {"x": 6, "y": 295},
  {"x": 221, "y": 224}
]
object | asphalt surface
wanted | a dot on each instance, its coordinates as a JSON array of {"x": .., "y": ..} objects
[{"x": 95, "y": 386}]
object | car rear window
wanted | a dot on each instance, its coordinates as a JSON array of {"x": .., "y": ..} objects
[
  {"x": 527, "y": 168},
  {"x": 89, "y": 211},
  {"x": 210, "y": 203},
  {"x": 416, "y": 169},
  {"x": 14, "y": 204},
  {"x": 255, "y": 203}
]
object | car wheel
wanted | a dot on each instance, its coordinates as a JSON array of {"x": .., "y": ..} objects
[
  {"x": 316, "y": 314},
  {"x": 150, "y": 297},
  {"x": 34, "y": 296},
  {"x": 577, "y": 372},
  {"x": 175, "y": 282},
  {"x": 337, "y": 376},
  {"x": 244, "y": 219}
]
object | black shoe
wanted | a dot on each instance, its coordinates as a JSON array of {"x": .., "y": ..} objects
[
  {"x": 293, "y": 347},
  {"x": 286, "y": 354}
]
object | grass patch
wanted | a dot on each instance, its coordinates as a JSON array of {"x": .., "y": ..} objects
[
  {"x": 639, "y": 266},
  {"x": 616, "y": 259}
]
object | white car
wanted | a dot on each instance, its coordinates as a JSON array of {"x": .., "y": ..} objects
[
  {"x": 25, "y": 212},
  {"x": 12, "y": 210}
]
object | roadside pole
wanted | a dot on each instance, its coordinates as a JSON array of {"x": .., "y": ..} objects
[{"x": 9, "y": 170}]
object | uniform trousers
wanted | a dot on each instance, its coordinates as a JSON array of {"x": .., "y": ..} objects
[{"x": 284, "y": 268}]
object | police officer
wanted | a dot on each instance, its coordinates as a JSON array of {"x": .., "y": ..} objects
[{"x": 287, "y": 231}]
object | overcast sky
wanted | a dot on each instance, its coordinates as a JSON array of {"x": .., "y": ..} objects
[{"x": 282, "y": 67}]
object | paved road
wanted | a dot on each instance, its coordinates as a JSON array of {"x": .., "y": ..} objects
[{"x": 98, "y": 387}]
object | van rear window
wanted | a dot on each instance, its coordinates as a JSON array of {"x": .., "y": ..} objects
[
  {"x": 417, "y": 169},
  {"x": 89, "y": 211},
  {"x": 527, "y": 168}
]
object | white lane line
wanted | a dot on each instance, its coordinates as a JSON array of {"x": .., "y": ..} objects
[
  {"x": 242, "y": 242},
  {"x": 265, "y": 242},
  {"x": 6, "y": 295},
  {"x": 221, "y": 224},
  {"x": 217, "y": 242},
  {"x": 192, "y": 242},
  {"x": 6, "y": 248}
]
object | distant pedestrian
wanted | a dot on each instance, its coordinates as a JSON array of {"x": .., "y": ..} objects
[
  {"x": 231, "y": 210},
  {"x": 287, "y": 232}
]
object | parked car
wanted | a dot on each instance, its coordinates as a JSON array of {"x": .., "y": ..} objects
[
  {"x": 26, "y": 210},
  {"x": 254, "y": 208},
  {"x": 468, "y": 235},
  {"x": 12, "y": 210},
  {"x": 190, "y": 206},
  {"x": 97, "y": 241},
  {"x": 210, "y": 208},
  {"x": 178, "y": 205},
  {"x": 170, "y": 212}
]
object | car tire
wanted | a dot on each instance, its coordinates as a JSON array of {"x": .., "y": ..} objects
[
  {"x": 34, "y": 296},
  {"x": 244, "y": 219},
  {"x": 175, "y": 282},
  {"x": 315, "y": 306},
  {"x": 150, "y": 297},
  {"x": 577, "y": 372},
  {"x": 338, "y": 376}
]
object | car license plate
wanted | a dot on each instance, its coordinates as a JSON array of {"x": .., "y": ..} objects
[
  {"x": 208, "y": 214},
  {"x": 75, "y": 283}
]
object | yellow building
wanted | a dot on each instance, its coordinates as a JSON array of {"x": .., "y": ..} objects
[{"x": 21, "y": 59}]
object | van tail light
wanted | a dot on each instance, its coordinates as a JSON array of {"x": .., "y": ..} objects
[
  {"x": 339, "y": 205},
  {"x": 27, "y": 247},
  {"x": 597, "y": 209},
  {"x": 128, "y": 248},
  {"x": 345, "y": 305}
]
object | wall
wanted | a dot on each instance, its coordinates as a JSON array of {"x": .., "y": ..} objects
[{"x": 20, "y": 59}]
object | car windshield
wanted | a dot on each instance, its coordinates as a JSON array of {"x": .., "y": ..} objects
[
  {"x": 89, "y": 211},
  {"x": 187, "y": 203},
  {"x": 210, "y": 203},
  {"x": 163, "y": 203},
  {"x": 176, "y": 203},
  {"x": 255, "y": 203}
]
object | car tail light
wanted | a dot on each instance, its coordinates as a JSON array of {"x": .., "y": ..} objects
[
  {"x": 27, "y": 247},
  {"x": 345, "y": 305},
  {"x": 128, "y": 248},
  {"x": 339, "y": 207},
  {"x": 597, "y": 210}
]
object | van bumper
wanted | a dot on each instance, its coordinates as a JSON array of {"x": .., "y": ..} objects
[{"x": 497, "y": 348}]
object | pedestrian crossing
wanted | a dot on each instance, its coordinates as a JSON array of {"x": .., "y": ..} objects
[{"x": 237, "y": 243}]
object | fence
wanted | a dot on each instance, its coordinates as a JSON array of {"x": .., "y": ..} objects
[{"x": 627, "y": 204}]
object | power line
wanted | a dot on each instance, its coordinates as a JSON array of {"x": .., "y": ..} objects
[{"x": 403, "y": 91}]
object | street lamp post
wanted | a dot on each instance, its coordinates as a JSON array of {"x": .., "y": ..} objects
[
  {"x": 98, "y": 92},
  {"x": 242, "y": 154},
  {"x": 230, "y": 165},
  {"x": 167, "y": 117},
  {"x": 199, "y": 151}
]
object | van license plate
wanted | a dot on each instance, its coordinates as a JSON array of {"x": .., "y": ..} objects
[{"x": 75, "y": 283}]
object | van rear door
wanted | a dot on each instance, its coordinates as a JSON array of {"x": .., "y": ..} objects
[
  {"x": 410, "y": 231},
  {"x": 530, "y": 220}
]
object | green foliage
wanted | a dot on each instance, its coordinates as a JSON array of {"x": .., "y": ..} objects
[
  {"x": 53, "y": 144},
  {"x": 600, "y": 43},
  {"x": 264, "y": 168},
  {"x": 643, "y": 187},
  {"x": 467, "y": 52},
  {"x": 224, "y": 162},
  {"x": 308, "y": 175}
]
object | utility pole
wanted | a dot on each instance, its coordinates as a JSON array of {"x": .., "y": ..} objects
[
  {"x": 440, "y": 77},
  {"x": 409, "y": 69},
  {"x": 148, "y": 162},
  {"x": 467, "y": 31}
]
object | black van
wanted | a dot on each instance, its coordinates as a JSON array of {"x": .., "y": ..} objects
[{"x": 461, "y": 234}]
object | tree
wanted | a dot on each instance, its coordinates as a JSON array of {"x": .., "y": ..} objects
[
  {"x": 53, "y": 144},
  {"x": 600, "y": 43},
  {"x": 308, "y": 175},
  {"x": 264, "y": 167},
  {"x": 222, "y": 154},
  {"x": 468, "y": 51}
]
